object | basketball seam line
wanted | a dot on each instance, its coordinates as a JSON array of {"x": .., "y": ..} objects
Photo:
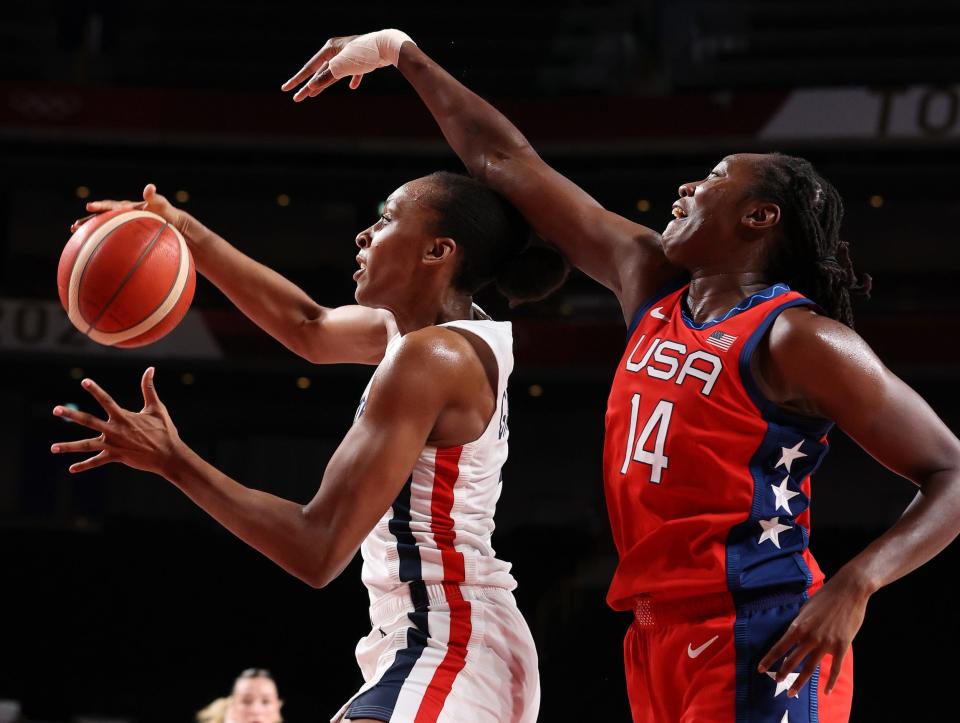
[
  {"x": 126, "y": 278},
  {"x": 173, "y": 285},
  {"x": 86, "y": 266}
]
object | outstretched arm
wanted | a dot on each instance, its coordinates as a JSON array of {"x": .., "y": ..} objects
[
  {"x": 315, "y": 541},
  {"x": 899, "y": 429},
  {"x": 322, "y": 335},
  {"x": 620, "y": 254}
]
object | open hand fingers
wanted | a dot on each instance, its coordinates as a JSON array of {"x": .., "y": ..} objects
[
  {"x": 809, "y": 668},
  {"x": 96, "y": 461},
  {"x": 80, "y": 221},
  {"x": 151, "y": 400},
  {"x": 110, "y": 205},
  {"x": 94, "y": 444},
  {"x": 105, "y": 400},
  {"x": 836, "y": 667},
  {"x": 81, "y": 418},
  {"x": 317, "y": 84},
  {"x": 781, "y": 648},
  {"x": 794, "y": 659},
  {"x": 311, "y": 66},
  {"x": 355, "y": 82}
]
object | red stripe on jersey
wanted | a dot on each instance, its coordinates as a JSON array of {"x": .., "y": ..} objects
[
  {"x": 453, "y": 662},
  {"x": 441, "y": 506},
  {"x": 446, "y": 471}
]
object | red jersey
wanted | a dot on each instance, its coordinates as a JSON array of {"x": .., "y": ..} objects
[{"x": 707, "y": 482}]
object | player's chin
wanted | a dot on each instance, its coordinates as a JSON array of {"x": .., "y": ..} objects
[
  {"x": 676, "y": 242},
  {"x": 366, "y": 294}
]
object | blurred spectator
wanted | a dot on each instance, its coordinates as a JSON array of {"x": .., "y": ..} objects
[{"x": 254, "y": 700}]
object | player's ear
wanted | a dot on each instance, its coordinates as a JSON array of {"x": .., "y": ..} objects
[
  {"x": 761, "y": 216},
  {"x": 440, "y": 250}
]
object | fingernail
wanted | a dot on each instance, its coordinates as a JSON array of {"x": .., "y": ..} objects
[
  {"x": 85, "y": 383},
  {"x": 55, "y": 448},
  {"x": 58, "y": 411}
]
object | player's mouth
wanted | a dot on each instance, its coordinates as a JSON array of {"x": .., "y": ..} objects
[
  {"x": 362, "y": 262},
  {"x": 678, "y": 211}
]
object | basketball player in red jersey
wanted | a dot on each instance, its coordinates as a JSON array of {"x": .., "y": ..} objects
[
  {"x": 415, "y": 481},
  {"x": 740, "y": 357}
]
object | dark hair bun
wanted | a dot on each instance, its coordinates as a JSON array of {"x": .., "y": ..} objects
[{"x": 534, "y": 274}]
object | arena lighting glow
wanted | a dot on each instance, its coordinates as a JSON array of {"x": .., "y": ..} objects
[
  {"x": 182, "y": 196},
  {"x": 303, "y": 383},
  {"x": 76, "y": 373},
  {"x": 643, "y": 205},
  {"x": 187, "y": 378},
  {"x": 283, "y": 200},
  {"x": 535, "y": 390},
  {"x": 82, "y": 192},
  {"x": 876, "y": 201}
]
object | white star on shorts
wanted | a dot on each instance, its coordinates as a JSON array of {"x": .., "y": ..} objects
[
  {"x": 785, "y": 684},
  {"x": 771, "y": 530},
  {"x": 783, "y": 496},
  {"x": 789, "y": 454}
]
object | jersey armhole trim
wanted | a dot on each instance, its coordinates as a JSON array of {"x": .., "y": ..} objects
[
  {"x": 468, "y": 335},
  {"x": 671, "y": 286},
  {"x": 769, "y": 410}
]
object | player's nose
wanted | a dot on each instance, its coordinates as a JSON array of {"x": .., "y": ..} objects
[
  {"x": 363, "y": 238},
  {"x": 686, "y": 189}
]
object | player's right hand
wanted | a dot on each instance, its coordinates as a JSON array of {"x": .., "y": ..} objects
[{"x": 152, "y": 201}]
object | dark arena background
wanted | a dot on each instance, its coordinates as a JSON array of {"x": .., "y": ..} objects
[{"x": 121, "y": 601}]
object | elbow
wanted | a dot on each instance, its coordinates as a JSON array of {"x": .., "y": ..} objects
[
  {"x": 316, "y": 582},
  {"x": 497, "y": 167},
  {"x": 318, "y": 576},
  {"x": 320, "y": 569}
]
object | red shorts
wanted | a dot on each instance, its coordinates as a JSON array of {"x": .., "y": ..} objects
[{"x": 695, "y": 660}]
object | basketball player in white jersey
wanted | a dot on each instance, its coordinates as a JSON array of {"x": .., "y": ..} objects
[{"x": 415, "y": 481}]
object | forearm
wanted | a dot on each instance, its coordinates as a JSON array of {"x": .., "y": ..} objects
[
  {"x": 602, "y": 244},
  {"x": 930, "y": 523},
  {"x": 476, "y": 131},
  {"x": 272, "y": 302},
  {"x": 272, "y": 525}
]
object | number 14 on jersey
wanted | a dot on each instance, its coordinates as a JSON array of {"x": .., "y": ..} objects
[{"x": 636, "y": 449}]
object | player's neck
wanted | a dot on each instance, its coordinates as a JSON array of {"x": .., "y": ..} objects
[
  {"x": 713, "y": 293},
  {"x": 453, "y": 306}
]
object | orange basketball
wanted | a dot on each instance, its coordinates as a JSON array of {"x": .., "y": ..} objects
[{"x": 126, "y": 278}]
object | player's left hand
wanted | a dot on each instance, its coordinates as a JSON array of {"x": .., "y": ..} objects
[
  {"x": 145, "y": 440},
  {"x": 353, "y": 55},
  {"x": 826, "y": 625}
]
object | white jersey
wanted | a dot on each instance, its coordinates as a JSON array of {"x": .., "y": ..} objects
[
  {"x": 439, "y": 528},
  {"x": 447, "y": 643}
]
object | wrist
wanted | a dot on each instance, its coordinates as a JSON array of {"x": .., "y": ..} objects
[
  {"x": 390, "y": 41},
  {"x": 194, "y": 233},
  {"x": 860, "y": 579},
  {"x": 175, "y": 462}
]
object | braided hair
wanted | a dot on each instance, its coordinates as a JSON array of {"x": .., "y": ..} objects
[{"x": 810, "y": 256}]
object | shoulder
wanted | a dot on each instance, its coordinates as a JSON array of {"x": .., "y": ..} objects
[
  {"x": 807, "y": 357},
  {"x": 436, "y": 345},
  {"x": 803, "y": 334},
  {"x": 433, "y": 354}
]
